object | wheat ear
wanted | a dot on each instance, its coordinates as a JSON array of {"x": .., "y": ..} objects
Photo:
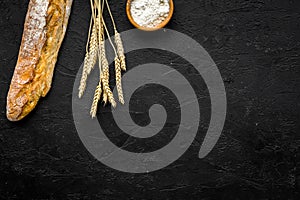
[
  {"x": 120, "y": 50},
  {"x": 118, "y": 74},
  {"x": 84, "y": 75},
  {"x": 89, "y": 62},
  {"x": 96, "y": 99},
  {"x": 105, "y": 73},
  {"x": 118, "y": 80},
  {"x": 93, "y": 49},
  {"x": 104, "y": 97}
]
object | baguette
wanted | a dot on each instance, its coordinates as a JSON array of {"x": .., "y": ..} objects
[{"x": 44, "y": 30}]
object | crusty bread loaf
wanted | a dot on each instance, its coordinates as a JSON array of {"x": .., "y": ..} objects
[{"x": 44, "y": 30}]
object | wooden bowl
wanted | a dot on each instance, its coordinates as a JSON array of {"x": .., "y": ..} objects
[{"x": 161, "y": 25}]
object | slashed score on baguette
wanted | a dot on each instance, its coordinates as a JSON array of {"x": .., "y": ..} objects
[{"x": 44, "y": 29}]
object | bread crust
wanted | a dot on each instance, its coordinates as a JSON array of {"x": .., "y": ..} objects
[{"x": 44, "y": 29}]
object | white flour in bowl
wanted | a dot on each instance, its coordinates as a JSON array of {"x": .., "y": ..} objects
[{"x": 149, "y": 13}]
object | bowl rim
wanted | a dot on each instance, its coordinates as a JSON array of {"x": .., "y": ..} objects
[{"x": 161, "y": 25}]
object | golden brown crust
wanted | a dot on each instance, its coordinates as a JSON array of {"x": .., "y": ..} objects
[{"x": 44, "y": 30}]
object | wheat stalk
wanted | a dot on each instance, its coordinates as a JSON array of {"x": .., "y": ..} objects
[
  {"x": 110, "y": 14},
  {"x": 118, "y": 40},
  {"x": 95, "y": 48}
]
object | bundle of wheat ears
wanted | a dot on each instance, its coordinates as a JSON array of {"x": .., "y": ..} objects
[{"x": 95, "y": 49}]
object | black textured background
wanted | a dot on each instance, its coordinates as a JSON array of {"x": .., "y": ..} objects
[{"x": 256, "y": 46}]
